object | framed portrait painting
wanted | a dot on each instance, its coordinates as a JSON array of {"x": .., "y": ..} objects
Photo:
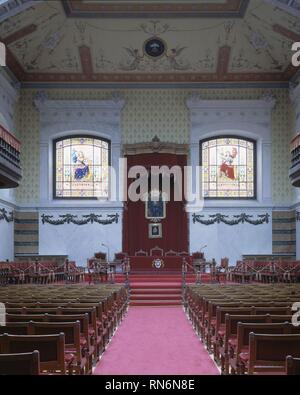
[
  {"x": 155, "y": 209},
  {"x": 155, "y": 231}
]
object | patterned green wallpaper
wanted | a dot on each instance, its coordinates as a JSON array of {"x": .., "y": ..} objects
[{"x": 150, "y": 112}]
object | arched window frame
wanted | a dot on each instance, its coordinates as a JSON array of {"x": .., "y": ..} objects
[
  {"x": 247, "y": 118},
  {"x": 70, "y": 136},
  {"x": 239, "y": 137},
  {"x": 60, "y": 118}
]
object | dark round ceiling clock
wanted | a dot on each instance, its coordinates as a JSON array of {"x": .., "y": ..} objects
[{"x": 155, "y": 47}]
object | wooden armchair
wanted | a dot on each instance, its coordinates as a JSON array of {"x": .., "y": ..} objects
[
  {"x": 157, "y": 251},
  {"x": 141, "y": 253},
  {"x": 171, "y": 253}
]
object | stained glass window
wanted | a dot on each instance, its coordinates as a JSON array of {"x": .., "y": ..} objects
[
  {"x": 81, "y": 168},
  {"x": 228, "y": 168}
]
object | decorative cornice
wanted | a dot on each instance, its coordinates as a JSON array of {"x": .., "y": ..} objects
[
  {"x": 248, "y": 118},
  {"x": 6, "y": 216},
  {"x": 43, "y": 104},
  {"x": 85, "y": 219},
  {"x": 195, "y": 101},
  {"x": 155, "y": 85},
  {"x": 155, "y": 146},
  {"x": 157, "y": 9},
  {"x": 236, "y": 220},
  {"x": 59, "y": 117}
]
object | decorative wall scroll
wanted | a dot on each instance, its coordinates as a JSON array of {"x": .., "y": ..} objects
[
  {"x": 7, "y": 216},
  {"x": 236, "y": 220},
  {"x": 86, "y": 219}
]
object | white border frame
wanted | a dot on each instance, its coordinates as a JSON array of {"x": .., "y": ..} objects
[
  {"x": 61, "y": 118},
  {"x": 244, "y": 118}
]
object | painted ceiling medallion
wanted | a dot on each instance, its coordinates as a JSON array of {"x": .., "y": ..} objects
[{"x": 155, "y": 47}]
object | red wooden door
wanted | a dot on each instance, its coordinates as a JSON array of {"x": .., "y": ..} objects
[{"x": 135, "y": 223}]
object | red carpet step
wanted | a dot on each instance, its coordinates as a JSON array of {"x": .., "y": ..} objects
[
  {"x": 145, "y": 291},
  {"x": 156, "y": 303},
  {"x": 156, "y": 289}
]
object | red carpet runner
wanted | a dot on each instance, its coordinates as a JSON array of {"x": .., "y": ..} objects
[{"x": 158, "y": 341}]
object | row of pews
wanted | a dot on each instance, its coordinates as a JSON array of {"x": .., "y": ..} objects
[
  {"x": 249, "y": 329},
  {"x": 58, "y": 329},
  {"x": 35, "y": 272},
  {"x": 265, "y": 272}
]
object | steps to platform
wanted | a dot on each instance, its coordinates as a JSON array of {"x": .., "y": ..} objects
[
  {"x": 164, "y": 289},
  {"x": 156, "y": 303},
  {"x": 153, "y": 288},
  {"x": 157, "y": 291},
  {"x": 160, "y": 296}
]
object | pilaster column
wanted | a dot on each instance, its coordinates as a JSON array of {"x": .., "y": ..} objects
[
  {"x": 298, "y": 233},
  {"x": 295, "y": 98}
]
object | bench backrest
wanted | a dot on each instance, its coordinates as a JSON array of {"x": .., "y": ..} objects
[
  {"x": 232, "y": 320},
  {"x": 268, "y": 352},
  {"x": 292, "y": 366},
  {"x": 71, "y": 331},
  {"x": 244, "y": 329},
  {"x": 20, "y": 364},
  {"x": 50, "y": 347},
  {"x": 14, "y": 328},
  {"x": 82, "y": 318},
  {"x": 24, "y": 317}
]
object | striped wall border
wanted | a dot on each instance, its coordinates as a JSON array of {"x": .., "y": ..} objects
[
  {"x": 284, "y": 232},
  {"x": 26, "y": 233}
]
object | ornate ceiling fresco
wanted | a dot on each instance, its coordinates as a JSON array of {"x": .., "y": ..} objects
[{"x": 89, "y": 41}]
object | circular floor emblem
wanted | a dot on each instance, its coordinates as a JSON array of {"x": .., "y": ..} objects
[
  {"x": 158, "y": 263},
  {"x": 154, "y": 47}
]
